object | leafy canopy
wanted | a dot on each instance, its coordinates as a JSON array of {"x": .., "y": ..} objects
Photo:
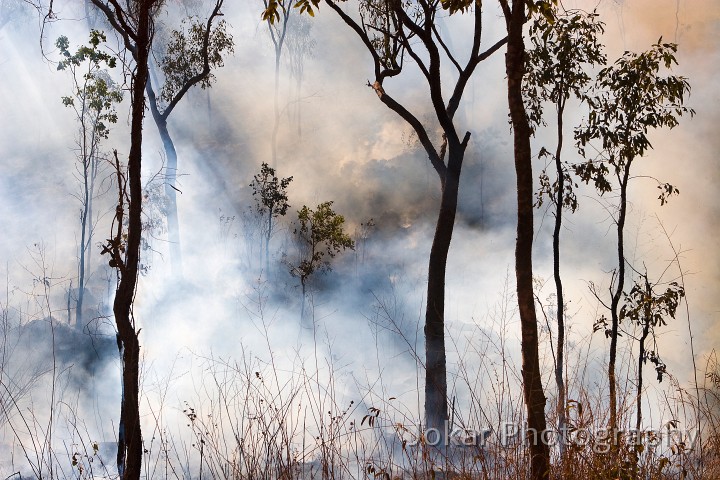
[
  {"x": 322, "y": 237},
  {"x": 632, "y": 98},
  {"x": 184, "y": 56}
]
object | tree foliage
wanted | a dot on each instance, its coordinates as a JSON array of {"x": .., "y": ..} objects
[
  {"x": 321, "y": 235},
  {"x": 95, "y": 94},
  {"x": 564, "y": 45},
  {"x": 270, "y": 192},
  {"x": 631, "y": 97},
  {"x": 185, "y": 55}
]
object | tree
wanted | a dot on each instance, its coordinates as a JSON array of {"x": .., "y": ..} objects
[
  {"x": 515, "y": 17},
  {"x": 93, "y": 100},
  {"x": 391, "y": 31},
  {"x": 629, "y": 98},
  {"x": 135, "y": 25},
  {"x": 648, "y": 310},
  {"x": 188, "y": 60},
  {"x": 564, "y": 44},
  {"x": 321, "y": 237},
  {"x": 271, "y": 200}
]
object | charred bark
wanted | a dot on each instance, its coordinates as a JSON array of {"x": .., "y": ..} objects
[{"x": 135, "y": 27}]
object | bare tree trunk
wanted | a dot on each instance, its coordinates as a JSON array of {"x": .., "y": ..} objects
[
  {"x": 559, "y": 361},
  {"x": 641, "y": 354},
  {"x": 130, "y": 446},
  {"x": 171, "y": 194},
  {"x": 532, "y": 379},
  {"x": 436, "y": 405}
]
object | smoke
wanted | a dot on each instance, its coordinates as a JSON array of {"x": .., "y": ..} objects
[{"x": 367, "y": 312}]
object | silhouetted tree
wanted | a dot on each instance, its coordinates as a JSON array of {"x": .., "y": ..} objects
[
  {"x": 648, "y": 310},
  {"x": 392, "y": 31}
]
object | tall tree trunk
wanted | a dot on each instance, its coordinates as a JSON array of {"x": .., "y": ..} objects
[
  {"x": 436, "y": 405},
  {"x": 129, "y": 436},
  {"x": 559, "y": 361},
  {"x": 532, "y": 379}
]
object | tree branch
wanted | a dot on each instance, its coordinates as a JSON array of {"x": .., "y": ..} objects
[{"x": 195, "y": 79}]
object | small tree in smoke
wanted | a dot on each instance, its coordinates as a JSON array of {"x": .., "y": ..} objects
[
  {"x": 271, "y": 201},
  {"x": 93, "y": 100},
  {"x": 321, "y": 236},
  {"x": 629, "y": 98},
  {"x": 648, "y": 309}
]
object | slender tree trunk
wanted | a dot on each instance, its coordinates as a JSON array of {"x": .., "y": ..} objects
[
  {"x": 532, "y": 379},
  {"x": 641, "y": 356},
  {"x": 83, "y": 244},
  {"x": 559, "y": 371},
  {"x": 436, "y": 405},
  {"x": 617, "y": 295},
  {"x": 130, "y": 446}
]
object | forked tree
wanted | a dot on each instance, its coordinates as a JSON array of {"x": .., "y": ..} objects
[
  {"x": 394, "y": 32},
  {"x": 278, "y": 29},
  {"x": 187, "y": 60}
]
